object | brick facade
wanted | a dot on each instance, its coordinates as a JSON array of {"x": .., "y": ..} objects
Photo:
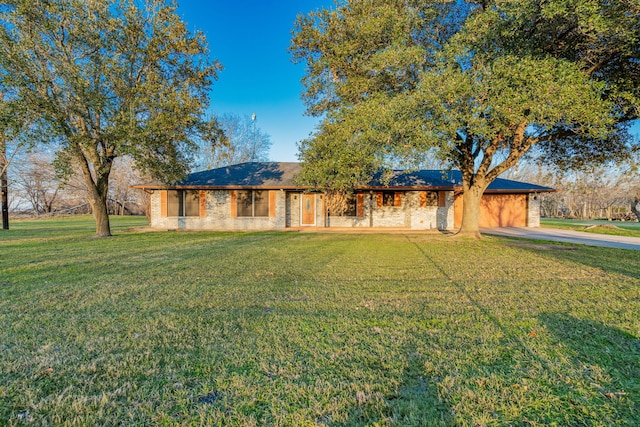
[
  {"x": 533, "y": 210},
  {"x": 218, "y": 213}
]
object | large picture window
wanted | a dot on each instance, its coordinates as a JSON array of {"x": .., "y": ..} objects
[
  {"x": 253, "y": 203},
  {"x": 183, "y": 203}
]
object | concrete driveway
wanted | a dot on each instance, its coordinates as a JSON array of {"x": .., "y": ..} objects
[{"x": 567, "y": 236}]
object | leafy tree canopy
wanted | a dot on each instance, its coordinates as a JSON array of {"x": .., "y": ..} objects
[
  {"x": 480, "y": 81},
  {"x": 107, "y": 78}
]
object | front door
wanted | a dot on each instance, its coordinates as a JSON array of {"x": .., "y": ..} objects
[{"x": 308, "y": 209}]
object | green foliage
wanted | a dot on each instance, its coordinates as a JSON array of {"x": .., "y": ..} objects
[
  {"x": 343, "y": 154},
  {"x": 510, "y": 104},
  {"x": 108, "y": 78},
  {"x": 482, "y": 82},
  {"x": 311, "y": 329}
]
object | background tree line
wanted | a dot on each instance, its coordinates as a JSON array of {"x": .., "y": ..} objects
[
  {"x": 609, "y": 192},
  {"x": 35, "y": 189}
]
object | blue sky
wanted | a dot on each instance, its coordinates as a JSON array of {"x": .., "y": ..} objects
[{"x": 250, "y": 39}]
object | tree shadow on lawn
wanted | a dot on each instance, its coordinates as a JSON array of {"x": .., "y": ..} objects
[
  {"x": 620, "y": 261},
  {"x": 605, "y": 362},
  {"x": 415, "y": 403}
]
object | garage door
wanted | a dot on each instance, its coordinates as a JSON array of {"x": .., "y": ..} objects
[
  {"x": 498, "y": 210},
  {"x": 503, "y": 210}
]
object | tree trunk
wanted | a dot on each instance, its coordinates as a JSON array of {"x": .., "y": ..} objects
[
  {"x": 101, "y": 215},
  {"x": 635, "y": 207},
  {"x": 4, "y": 184},
  {"x": 98, "y": 184},
  {"x": 98, "y": 201},
  {"x": 471, "y": 199},
  {"x": 96, "y": 178},
  {"x": 4, "y": 189}
]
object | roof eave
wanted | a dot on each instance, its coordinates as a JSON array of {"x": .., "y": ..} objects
[
  {"x": 521, "y": 191},
  {"x": 359, "y": 188}
]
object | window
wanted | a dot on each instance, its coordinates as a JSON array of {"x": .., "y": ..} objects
[
  {"x": 350, "y": 206},
  {"x": 389, "y": 198},
  {"x": 183, "y": 203},
  {"x": 253, "y": 203},
  {"x": 432, "y": 198}
]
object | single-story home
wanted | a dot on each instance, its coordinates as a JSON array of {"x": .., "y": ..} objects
[{"x": 265, "y": 196}]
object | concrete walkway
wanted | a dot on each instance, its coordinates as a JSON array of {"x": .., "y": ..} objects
[{"x": 567, "y": 236}]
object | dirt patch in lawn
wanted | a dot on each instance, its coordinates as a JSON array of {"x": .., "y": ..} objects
[{"x": 602, "y": 226}]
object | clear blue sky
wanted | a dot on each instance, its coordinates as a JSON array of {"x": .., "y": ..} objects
[{"x": 250, "y": 39}]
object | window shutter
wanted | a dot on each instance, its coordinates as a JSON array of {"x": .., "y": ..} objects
[
  {"x": 442, "y": 199},
  {"x": 163, "y": 204},
  {"x": 234, "y": 203},
  {"x": 397, "y": 199},
  {"x": 360, "y": 205},
  {"x": 423, "y": 199},
  {"x": 272, "y": 203},
  {"x": 203, "y": 203},
  {"x": 379, "y": 199}
]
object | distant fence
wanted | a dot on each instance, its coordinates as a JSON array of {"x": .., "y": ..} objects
[{"x": 81, "y": 209}]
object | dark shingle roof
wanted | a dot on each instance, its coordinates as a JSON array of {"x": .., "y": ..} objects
[
  {"x": 251, "y": 174},
  {"x": 281, "y": 175},
  {"x": 447, "y": 179}
]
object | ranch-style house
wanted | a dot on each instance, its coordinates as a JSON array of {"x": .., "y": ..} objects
[{"x": 265, "y": 196}]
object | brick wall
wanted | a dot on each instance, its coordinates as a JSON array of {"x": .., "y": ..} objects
[
  {"x": 218, "y": 214},
  {"x": 533, "y": 210}
]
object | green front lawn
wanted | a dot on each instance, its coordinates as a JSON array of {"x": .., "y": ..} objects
[
  {"x": 312, "y": 329},
  {"x": 614, "y": 228}
]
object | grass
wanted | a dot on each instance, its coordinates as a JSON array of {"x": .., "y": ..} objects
[
  {"x": 306, "y": 329},
  {"x": 614, "y": 228}
]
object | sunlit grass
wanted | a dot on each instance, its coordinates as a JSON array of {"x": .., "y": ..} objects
[
  {"x": 203, "y": 328},
  {"x": 613, "y": 228}
]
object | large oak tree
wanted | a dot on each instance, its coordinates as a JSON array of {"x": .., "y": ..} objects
[
  {"x": 108, "y": 78},
  {"x": 482, "y": 82}
]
